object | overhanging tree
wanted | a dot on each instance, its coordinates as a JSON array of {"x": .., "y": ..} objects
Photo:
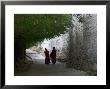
[{"x": 31, "y": 28}]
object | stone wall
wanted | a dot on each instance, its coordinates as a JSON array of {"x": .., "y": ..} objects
[{"x": 82, "y": 49}]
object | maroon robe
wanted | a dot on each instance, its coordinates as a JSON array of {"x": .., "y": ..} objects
[
  {"x": 47, "y": 59},
  {"x": 53, "y": 56}
]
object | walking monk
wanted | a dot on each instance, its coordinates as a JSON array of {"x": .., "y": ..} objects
[
  {"x": 53, "y": 55},
  {"x": 47, "y": 58}
]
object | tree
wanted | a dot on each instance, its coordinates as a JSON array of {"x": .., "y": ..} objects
[{"x": 31, "y": 28}]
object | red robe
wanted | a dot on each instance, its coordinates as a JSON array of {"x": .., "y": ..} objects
[
  {"x": 53, "y": 56},
  {"x": 47, "y": 59}
]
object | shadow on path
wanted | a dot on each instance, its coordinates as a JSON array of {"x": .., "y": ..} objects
[{"x": 39, "y": 68}]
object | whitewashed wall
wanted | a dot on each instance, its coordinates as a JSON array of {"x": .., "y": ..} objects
[{"x": 83, "y": 42}]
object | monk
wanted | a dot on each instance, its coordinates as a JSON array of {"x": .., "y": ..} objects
[
  {"x": 47, "y": 58},
  {"x": 53, "y": 55}
]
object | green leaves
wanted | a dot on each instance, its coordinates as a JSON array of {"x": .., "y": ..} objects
[{"x": 36, "y": 27}]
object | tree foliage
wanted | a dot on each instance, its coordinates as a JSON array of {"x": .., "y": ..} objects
[{"x": 35, "y": 27}]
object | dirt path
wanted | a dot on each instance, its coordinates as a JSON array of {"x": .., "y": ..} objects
[{"x": 39, "y": 68}]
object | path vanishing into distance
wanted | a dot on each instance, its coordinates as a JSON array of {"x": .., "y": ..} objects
[{"x": 39, "y": 68}]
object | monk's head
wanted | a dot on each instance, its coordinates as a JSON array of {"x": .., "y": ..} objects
[
  {"x": 45, "y": 49},
  {"x": 53, "y": 47}
]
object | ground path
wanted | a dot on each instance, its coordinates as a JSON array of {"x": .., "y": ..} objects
[{"x": 39, "y": 68}]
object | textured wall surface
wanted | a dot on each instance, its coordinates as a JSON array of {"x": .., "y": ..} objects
[{"x": 83, "y": 42}]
